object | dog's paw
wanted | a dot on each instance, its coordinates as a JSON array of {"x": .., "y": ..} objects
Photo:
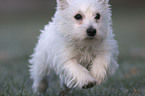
[
  {"x": 40, "y": 87},
  {"x": 89, "y": 85}
]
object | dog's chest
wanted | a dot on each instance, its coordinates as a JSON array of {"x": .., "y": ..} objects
[{"x": 85, "y": 57}]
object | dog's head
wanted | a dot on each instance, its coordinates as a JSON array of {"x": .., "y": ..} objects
[{"x": 83, "y": 19}]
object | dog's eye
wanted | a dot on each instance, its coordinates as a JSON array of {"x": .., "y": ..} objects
[
  {"x": 97, "y": 16},
  {"x": 78, "y": 17}
]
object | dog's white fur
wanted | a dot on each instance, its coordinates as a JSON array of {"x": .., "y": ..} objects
[{"x": 63, "y": 46}]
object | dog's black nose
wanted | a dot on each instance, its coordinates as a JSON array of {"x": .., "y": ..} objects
[{"x": 91, "y": 31}]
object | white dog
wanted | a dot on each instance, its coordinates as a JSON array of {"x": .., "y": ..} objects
[{"x": 78, "y": 45}]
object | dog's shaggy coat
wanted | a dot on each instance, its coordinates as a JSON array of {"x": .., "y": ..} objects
[{"x": 65, "y": 47}]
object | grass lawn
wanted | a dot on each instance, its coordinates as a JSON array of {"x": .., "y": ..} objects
[{"x": 128, "y": 81}]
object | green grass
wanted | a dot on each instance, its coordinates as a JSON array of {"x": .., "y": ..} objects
[{"x": 129, "y": 80}]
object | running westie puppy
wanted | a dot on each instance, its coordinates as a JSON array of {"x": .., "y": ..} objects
[{"x": 78, "y": 45}]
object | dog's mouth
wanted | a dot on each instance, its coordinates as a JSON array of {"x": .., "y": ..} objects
[{"x": 90, "y": 38}]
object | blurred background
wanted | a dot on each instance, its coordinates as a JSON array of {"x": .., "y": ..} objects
[{"x": 21, "y": 20}]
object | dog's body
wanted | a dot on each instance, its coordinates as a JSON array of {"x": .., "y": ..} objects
[{"x": 81, "y": 58}]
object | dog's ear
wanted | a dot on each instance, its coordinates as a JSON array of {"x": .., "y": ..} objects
[
  {"x": 62, "y": 4},
  {"x": 104, "y": 1}
]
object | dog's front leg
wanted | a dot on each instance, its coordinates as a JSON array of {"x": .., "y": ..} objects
[
  {"x": 101, "y": 66},
  {"x": 75, "y": 75}
]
